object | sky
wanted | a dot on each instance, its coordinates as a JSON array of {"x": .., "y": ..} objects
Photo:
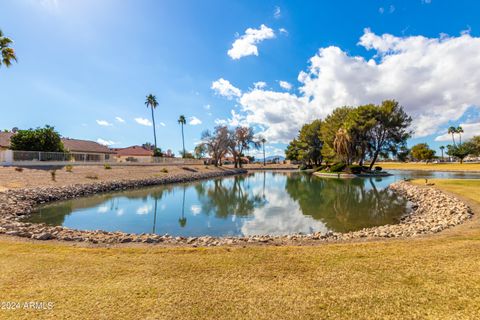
[{"x": 85, "y": 66}]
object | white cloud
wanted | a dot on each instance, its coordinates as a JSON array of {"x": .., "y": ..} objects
[
  {"x": 144, "y": 209},
  {"x": 277, "y": 12},
  {"x": 105, "y": 142},
  {"x": 285, "y": 85},
  {"x": 104, "y": 123},
  {"x": 236, "y": 120},
  {"x": 193, "y": 121},
  {"x": 426, "y": 1},
  {"x": 207, "y": 107},
  {"x": 225, "y": 88},
  {"x": 283, "y": 30},
  {"x": 381, "y": 10},
  {"x": 195, "y": 209},
  {"x": 162, "y": 124},
  {"x": 143, "y": 122},
  {"x": 259, "y": 85},
  {"x": 246, "y": 44},
  {"x": 435, "y": 79},
  {"x": 120, "y": 119},
  {"x": 470, "y": 130},
  {"x": 391, "y": 9}
]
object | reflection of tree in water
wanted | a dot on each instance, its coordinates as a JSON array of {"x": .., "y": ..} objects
[
  {"x": 345, "y": 204},
  {"x": 227, "y": 197}
]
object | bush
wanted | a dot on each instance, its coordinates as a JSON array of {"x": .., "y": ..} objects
[
  {"x": 377, "y": 168},
  {"x": 164, "y": 170},
  {"x": 107, "y": 166},
  {"x": 53, "y": 173},
  {"x": 19, "y": 169},
  {"x": 320, "y": 168},
  {"x": 69, "y": 168},
  {"x": 355, "y": 169},
  {"x": 92, "y": 176},
  {"x": 338, "y": 167}
]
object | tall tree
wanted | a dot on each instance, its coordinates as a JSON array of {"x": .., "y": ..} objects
[
  {"x": 452, "y": 130},
  {"x": 216, "y": 143},
  {"x": 241, "y": 139},
  {"x": 151, "y": 102},
  {"x": 441, "y": 149},
  {"x": 182, "y": 121},
  {"x": 390, "y": 131},
  {"x": 459, "y": 130},
  {"x": 263, "y": 140},
  {"x": 461, "y": 151},
  {"x": 8, "y": 54}
]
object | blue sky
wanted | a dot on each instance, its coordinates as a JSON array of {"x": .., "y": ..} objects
[{"x": 86, "y": 66}]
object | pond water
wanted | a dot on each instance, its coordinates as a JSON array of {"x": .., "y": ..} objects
[{"x": 275, "y": 203}]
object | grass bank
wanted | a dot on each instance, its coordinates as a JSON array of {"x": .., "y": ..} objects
[
  {"x": 435, "y": 277},
  {"x": 431, "y": 166}
]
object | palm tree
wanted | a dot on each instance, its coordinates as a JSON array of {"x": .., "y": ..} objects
[
  {"x": 459, "y": 130},
  {"x": 441, "y": 149},
  {"x": 263, "y": 143},
  {"x": 452, "y": 131},
  {"x": 8, "y": 54},
  {"x": 182, "y": 121},
  {"x": 341, "y": 144},
  {"x": 183, "y": 221},
  {"x": 152, "y": 103}
]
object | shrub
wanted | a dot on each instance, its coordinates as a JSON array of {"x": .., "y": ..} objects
[
  {"x": 338, "y": 167},
  {"x": 107, "y": 166},
  {"x": 69, "y": 168},
  {"x": 19, "y": 169},
  {"x": 164, "y": 170},
  {"x": 377, "y": 168},
  {"x": 320, "y": 168},
  {"x": 53, "y": 174},
  {"x": 303, "y": 167},
  {"x": 355, "y": 169},
  {"x": 92, "y": 176}
]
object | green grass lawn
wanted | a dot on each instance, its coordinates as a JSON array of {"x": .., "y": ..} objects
[{"x": 436, "y": 277}]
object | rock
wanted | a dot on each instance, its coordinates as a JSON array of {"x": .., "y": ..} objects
[{"x": 42, "y": 236}]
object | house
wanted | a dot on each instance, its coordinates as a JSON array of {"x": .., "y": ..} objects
[
  {"x": 133, "y": 154},
  {"x": 80, "y": 150},
  {"x": 86, "y": 150}
]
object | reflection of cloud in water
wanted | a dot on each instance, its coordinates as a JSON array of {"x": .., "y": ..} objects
[
  {"x": 103, "y": 209},
  {"x": 163, "y": 207},
  {"x": 195, "y": 209},
  {"x": 281, "y": 215},
  {"x": 144, "y": 209},
  {"x": 120, "y": 212}
]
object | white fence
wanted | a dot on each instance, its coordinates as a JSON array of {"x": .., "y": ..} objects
[{"x": 10, "y": 157}]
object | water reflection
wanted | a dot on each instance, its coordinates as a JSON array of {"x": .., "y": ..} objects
[{"x": 259, "y": 203}]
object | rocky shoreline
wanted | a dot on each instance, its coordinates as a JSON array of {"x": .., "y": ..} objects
[{"x": 432, "y": 212}]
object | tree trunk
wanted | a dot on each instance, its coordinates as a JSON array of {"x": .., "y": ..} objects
[
  {"x": 154, "y": 133},
  {"x": 374, "y": 159},
  {"x": 183, "y": 142}
]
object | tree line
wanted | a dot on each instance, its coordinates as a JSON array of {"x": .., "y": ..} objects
[{"x": 353, "y": 135}]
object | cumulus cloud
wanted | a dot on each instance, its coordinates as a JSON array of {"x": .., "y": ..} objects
[
  {"x": 104, "y": 123},
  {"x": 120, "y": 119},
  {"x": 105, "y": 142},
  {"x": 143, "y": 122},
  {"x": 194, "y": 121},
  {"x": 285, "y": 85},
  {"x": 162, "y": 124},
  {"x": 283, "y": 30},
  {"x": 435, "y": 79},
  {"x": 470, "y": 130},
  {"x": 224, "y": 88},
  {"x": 246, "y": 44}
]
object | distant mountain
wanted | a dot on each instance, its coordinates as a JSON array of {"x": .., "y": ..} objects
[{"x": 270, "y": 158}]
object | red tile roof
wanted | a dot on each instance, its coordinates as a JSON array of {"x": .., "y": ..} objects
[{"x": 133, "y": 151}]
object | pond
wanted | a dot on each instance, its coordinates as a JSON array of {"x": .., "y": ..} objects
[{"x": 274, "y": 203}]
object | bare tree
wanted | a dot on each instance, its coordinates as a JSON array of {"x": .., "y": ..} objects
[
  {"x": 216, "y": 143},
  {"x": 241, "y": 139}
]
